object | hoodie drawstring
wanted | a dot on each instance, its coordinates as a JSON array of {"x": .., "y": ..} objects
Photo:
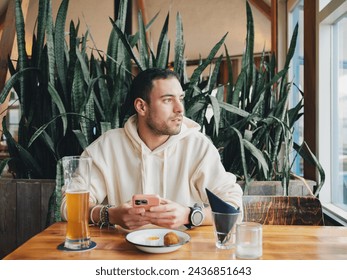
[
  {"x": 143, "y": 171},
  {"x": 164, "y": 173}
]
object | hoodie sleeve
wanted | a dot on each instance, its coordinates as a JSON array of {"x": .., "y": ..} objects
[{"x": 211, "y": 174}]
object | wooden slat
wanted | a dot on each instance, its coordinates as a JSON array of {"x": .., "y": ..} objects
[
  {"x": 28, "y": 210},
  {"x": 8, "y": 211},
  {"x": 263, "y": 7},
  {"x": 47, "y": 190},
  {"x": 274, "y": 27}
]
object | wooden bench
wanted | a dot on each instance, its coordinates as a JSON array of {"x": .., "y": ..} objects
[{"x": 283, "y": 210}]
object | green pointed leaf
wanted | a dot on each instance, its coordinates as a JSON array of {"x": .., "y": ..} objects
[
  {"x": 50, "y": 43},
  {"x": 22, "y": 156},
  {"x": 233, "y": 109},
  {"x": 57, "y": 101},
  {"x": 127, "y": 46},
  {"x": 41, "y": 26},
  {"x": 305, "y": 152},
  {"x": 59, "y": 42},
  {"x": 258, "y": 155},
  {"x": 22, "y": 55},
  {"x": 134, "y": 38},
  {"x": 142, "y": 44},
  {"x": 214, "y": 77},
  {"x": 48, "y": 141},
  {"x": 292, "y": 46},
  {"x": 197, "y": 72},
  {"x": 11, "y": 82},
  {"x": 216, "y": 112},
  {"x": 179, "y": 47},
  {"x": 243, "y": 156},
  {"x": 162, "y": 59}
]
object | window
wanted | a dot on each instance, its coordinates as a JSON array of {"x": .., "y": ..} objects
[
  {"x": 339, "y": 112},
  {"x": 296, "y": 75},
  {"x": 332, "y": 107}
]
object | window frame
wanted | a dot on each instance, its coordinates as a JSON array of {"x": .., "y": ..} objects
[{"x": 326, "y": 19}]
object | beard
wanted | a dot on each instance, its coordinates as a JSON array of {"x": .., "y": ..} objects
[{"x": 169, "y": 127}]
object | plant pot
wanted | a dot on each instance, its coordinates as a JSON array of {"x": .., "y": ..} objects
[
  {"x": 296, "y": 188},
  {"x": 283, "y": 210}
]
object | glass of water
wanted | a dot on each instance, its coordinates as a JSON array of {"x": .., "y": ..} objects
[{"x": 249, "y": 240}]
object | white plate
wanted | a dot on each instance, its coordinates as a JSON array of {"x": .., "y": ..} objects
[{"x": 152, "y": 240}]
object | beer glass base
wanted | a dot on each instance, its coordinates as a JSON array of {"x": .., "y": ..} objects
[
  {"x": 78, "y": 244},
  {"x": 62, "y": 247}
]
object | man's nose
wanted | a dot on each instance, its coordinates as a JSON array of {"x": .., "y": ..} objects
[{"x": 179, "y": 107}]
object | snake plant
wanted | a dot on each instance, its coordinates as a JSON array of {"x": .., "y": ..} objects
[
  {"x": 70, "y": 93},
  {"x": 252, "y": 126}
]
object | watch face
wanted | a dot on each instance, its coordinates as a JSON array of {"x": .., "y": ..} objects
[{"x": 197, "y": 217}]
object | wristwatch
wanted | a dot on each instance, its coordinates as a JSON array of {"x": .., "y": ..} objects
[{"x": 196, "y": 216}]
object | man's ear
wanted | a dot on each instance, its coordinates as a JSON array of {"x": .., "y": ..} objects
[{"x": 140, "y": 106}]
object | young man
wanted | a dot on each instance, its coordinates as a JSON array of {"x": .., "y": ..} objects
[{"x": 159, "y": 151}]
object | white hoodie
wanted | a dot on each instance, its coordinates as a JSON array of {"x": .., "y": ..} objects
[{"x": 179, "y": 170}]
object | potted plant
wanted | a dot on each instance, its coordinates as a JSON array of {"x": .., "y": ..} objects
[
  {"x": 68, "y": 97},
  {"x": 252, "y": 124}
]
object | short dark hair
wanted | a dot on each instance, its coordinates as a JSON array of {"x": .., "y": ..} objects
[
  {"x": 141, "y": 87},
  {"x": 143, "y": 82}
]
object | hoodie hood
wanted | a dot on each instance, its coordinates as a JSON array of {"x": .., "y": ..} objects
[
  {"x": 150, "y": 159},
  {"x": 188, "y": 127}
]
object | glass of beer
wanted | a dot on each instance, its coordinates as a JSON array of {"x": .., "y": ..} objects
[{"x": 77, "y": 181}]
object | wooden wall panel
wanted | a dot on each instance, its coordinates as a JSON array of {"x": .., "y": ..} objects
[
  {"x": 310, "y": 83},
  {"x": 8, "y": 218},
  {"x": 28, "y": 210},
  {"x": 23, "y": 211}
]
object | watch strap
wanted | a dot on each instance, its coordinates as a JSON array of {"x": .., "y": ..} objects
[{"x": 190, "y": 225}]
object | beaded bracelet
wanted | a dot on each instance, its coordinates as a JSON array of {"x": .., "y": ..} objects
[{"x": 104, "y": 217}]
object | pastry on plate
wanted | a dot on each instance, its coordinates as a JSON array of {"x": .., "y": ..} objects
[{"x": 171, "y": 238}]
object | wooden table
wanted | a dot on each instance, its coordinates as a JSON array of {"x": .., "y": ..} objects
[{"x": 279, "y": 243}]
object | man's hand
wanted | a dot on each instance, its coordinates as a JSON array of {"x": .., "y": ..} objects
[
  {"x": 128, "y": 217},
  {"x": 168, "y": 214}
]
